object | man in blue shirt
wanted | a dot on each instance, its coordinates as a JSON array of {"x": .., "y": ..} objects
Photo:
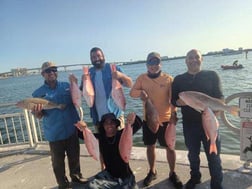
[{"x": 59, "y": 126}]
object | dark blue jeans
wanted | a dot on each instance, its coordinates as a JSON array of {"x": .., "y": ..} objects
[
  {"x": 59, "y": 149},
  {"x": 104, "y": 180},
  {"x": 194, "y": 134}
]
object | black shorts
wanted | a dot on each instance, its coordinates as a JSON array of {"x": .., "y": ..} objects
[{"x": 150, "y": 138}]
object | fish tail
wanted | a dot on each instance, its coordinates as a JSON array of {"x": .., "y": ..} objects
[
  {"x": 234, "y": 110},
  {"x": 85, "y": 70},
  {"x": 213, "y": 149}
]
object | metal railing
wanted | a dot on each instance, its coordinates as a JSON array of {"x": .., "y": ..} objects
[
  {"x": 223, "y": 114},
  {"x": 19, "y": 128}
]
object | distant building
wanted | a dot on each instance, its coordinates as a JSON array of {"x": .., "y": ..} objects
[
  {"x": 228, "y": 51},
  {"x": 19, "y": 72}
]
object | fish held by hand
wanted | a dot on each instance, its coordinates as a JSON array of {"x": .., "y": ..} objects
[
  {"x": 117, "y": 91},
  {"x": 210, "y": 126},
  {"x": 75, "y": 91},
  {"x": 199, "y": 101},
  {"x": 170, "y": 135},
  {"x": 91, "y": 142},
  {"x": 126, "y": 140},
  {"x": 87, "y": 89},
  {"x": 31, "y": 103},
  {"x": 152, "y": 116}
]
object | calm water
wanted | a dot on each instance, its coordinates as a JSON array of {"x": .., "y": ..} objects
[{"x": 233, "y": 81}]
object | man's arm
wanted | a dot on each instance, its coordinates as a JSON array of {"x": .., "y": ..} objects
[{"x": 126, "y": 80}]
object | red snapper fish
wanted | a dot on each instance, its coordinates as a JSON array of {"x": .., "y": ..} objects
[
  {"x": 88, "y": 89},
  {"x": 126, "y": 140},
  {"x": 75, "y": 91},
  {"x": 152, "y": 116},
  {"x": 30, "y": 103},
  {"x": 91, "y": 142},
  {"x": 199, "y": 101},
  {"x": 170, "y": 135},
  {"x": 117, "y": 91},
  {"x": 210, "y": 125}
]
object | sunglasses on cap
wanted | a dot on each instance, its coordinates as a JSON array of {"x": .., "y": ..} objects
[{"x": 49, "y": 70}]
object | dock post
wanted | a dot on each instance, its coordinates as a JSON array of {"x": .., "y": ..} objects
[{"x": 27, "y": 122}]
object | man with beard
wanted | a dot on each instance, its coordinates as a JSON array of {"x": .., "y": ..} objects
[{"x": 101, "y": 77}]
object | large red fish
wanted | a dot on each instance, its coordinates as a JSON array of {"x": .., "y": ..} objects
[
  {"x": 152, "y": 116},
  {"x": 210, "y": 125},
  {"x": 91, "y": 142},
  {"x": 88, "y": 89},
  {"x": 199, "y": 101},
  {"x": 126, "y": 140},
  {"x": 117, "y": 91},
  {"x": 170, "y": 135},
  {"x": 75, "y": 91}
]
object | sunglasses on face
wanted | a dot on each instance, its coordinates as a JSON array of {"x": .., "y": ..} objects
[
  {"x": 49, "y": 70},
  {"x": 153, "y": 61}
]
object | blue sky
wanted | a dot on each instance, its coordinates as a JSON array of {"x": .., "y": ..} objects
[{"x": 63, "y": 31}]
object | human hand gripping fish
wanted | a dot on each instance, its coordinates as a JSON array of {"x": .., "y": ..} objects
[
  {"x": 91, "y": 142},
  {"x": 126, "y": 140},
  {"x": 37, "y": 111}
]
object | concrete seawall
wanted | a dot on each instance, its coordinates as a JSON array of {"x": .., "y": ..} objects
[{"x": 31, "y": 168}]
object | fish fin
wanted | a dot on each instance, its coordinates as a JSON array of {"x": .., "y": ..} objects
[
  {"x": 207, "y": 138},
  {"x": 85, "y": 70},
  {"x": 62, "y": 106},
  {"x": 234, "y": 110},
  {"x": 213, "y": 149}
]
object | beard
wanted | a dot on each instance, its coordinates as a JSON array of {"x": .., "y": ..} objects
[{"x": 99, "y": 63}]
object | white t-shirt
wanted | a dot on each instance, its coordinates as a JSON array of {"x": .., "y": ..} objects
[{"x": 100, "y": 95}]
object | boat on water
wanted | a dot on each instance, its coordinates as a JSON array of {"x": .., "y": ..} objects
[{"x": 232, "y": 67}]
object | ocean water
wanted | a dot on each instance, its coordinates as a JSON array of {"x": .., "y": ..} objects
[{"x": 233, "y": 81}]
